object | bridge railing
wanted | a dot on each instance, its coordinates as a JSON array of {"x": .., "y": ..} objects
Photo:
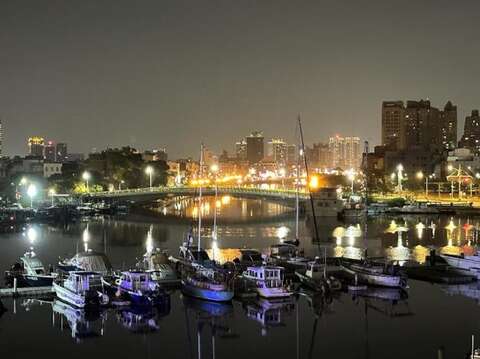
[{"x": 289, "y": 193}]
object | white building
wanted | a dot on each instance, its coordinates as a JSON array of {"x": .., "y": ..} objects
[{"x": 51, "y": 168}]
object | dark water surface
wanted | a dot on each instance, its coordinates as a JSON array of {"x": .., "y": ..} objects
[{"x": 427, "y": 319}]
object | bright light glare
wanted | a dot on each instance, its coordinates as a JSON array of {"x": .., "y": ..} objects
[{"x": 32, "y": 190}]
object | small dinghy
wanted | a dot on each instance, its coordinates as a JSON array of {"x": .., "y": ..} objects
[
  {"x": 81, "y": 289},
  {"x": 29, "y": 272},
  {"x": 375, "y": 274},
  {"x": 137, "y": 286}
]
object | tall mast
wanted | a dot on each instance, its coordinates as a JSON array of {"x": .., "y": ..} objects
[
  {"x": 200, "y": 199},
  {"x": 365, "y": 172},
  {"x": 297, "y": 200},
  {"x": 306, "y": 170}
]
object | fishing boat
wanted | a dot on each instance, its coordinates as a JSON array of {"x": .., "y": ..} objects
[
  {"x": 269, "y": 281},
  {"x": 81, "y": 289},
  {"x": 89, "y": 261},
  {"x": 136, "y": 286},
  {"x": 208, "y": 284},
  {"x": 470, "y": 263},
  {"x": 29, "y": 272},
  {"x": 247, "y": 258},
  {"x": 315, "y": 277},
  {"x": 156, "y": 263},
  {"x": 375, "y": 274}
]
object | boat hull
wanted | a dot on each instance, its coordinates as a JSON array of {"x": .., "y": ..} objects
[
  {"x": 207, "y": 294},
  {"x": 472, "y": 265},
  {"x": 24, "y": 280},
  {"x": 75, "y": 299},
  {"x": 273, "y": 293},
  {"x": 376, "y": 279},
  {"x": 135, "y": 298}
]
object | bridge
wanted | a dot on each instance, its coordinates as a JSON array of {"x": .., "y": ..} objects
[{"x": 155, "y": 193}]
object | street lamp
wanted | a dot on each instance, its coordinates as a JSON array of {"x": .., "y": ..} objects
[
  {"x": 149, "y": 172},
  {"x": 214, "y": 170},
  {"x": 31, "y": 192},
  {"x": 120, "y": 184},
  {"x": 51, "y": 193},
  {"x": 351, "y": 177},
  {"x": 86, "y": 176},
  {"x": 400, "y": 177}
]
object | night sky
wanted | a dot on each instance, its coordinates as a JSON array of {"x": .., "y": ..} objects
[{"x": 175, "y": 73}]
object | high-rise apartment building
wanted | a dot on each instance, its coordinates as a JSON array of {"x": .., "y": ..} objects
[
  {"x": 418, "y": 124},
  {"x": 393, "y": 125},
  {"x": 344, "y": 152},
  {"x": 241, "y": 150},
  {"x": 471, "y": 133},
  {"x": 36, "y": 146},
  {"x": 255, "y": 148},
  {"x": 277, "y": 151},
  {"x": 50, "y": 152}
]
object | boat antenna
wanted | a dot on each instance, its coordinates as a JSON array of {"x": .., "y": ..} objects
[
  {"x": 306, "y": 170},
  {"x": 200, "y": 198}
]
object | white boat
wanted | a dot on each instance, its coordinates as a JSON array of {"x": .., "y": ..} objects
[
  {"x": 89, "y": 260},
  {"x": 29, "y": 272},
  {"x": 269, "y": 281},
  {"x": 156, "y": 263},
  {"x": 470, "y": 263},
  {"x": 376, "y": 275},
  {"x": 81, "y": 289}
]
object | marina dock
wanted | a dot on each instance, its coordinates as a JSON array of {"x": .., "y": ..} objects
[
  {"x": 440, "y": 274},
  {"x": 25, "y": 292}
]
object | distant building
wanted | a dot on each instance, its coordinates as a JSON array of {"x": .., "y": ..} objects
[
  {"x": 344, "y": 152},
  {"x": 255, "y": 147},
  {"x": 418, "y": 124},
  {"x": 155, "y": 155},
  {"x": 241, "y": 150},
  {"x": 50, "y": 150},
  {"x": 291, "y": 154},
  {"x": 277, "y": 151},
  {"x": 471, "y": 133},
  {"x": 36, "y": 146},
  {"x": 50, "y": 169},
  {"x": 61, "y": 152},
  {"x": 393, "y": 124}
]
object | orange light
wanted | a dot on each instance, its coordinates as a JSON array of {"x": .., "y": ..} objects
[{"x": 314, "y": 182}]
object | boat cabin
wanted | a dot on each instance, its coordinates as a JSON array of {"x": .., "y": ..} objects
[
  {"x": 32, "y": 265},
  {"x": 156, "y": 259},
  {"x": 249, "y": 257},
  {"x": 88, "y": 261},
  {"x": 283, "y": 250},
  {"x": 136, "y": 281},
  {"x": 83, "y": 281},
  {"x": 315, "y": 269},
  {"x": 271, "y": 276}
]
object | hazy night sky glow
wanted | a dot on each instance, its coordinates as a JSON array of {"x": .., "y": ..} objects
[{"x": 174, "y": 73}]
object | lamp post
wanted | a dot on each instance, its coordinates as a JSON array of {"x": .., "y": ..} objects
[
  {"x": 31, "y": 192},
  {"x": 400, "y": 177},
  {"x": 214, "y": 170},
  {"x": 86, "y": 177},
  {"x": 51, "y": 193},
  {"x": 149, "y": 172}
]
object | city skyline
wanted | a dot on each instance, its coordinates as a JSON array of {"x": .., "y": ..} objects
[{"x": 92, "y": 69}]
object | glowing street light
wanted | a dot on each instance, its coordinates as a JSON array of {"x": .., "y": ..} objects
[
  {"x": 149, "y": 172},
  {"x": 31, "y": 192},
  {"x": 51, "y": 193},
  {"x": 314, "y": 182},
  {"x": 86, "y": 176}
]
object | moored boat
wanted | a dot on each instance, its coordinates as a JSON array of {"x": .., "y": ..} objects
[
  {"x": 156, "y": 263},
  {"x": 376, "y": 275},
  {"x": 470, "y": 263},
  {"x": 29, "y": 272},
  {"x": 268, "y": 280},
  {"x": 136, "y": 286},
  {"x": 315, "y": 277},
  {"x": 87, "y": 261},
  {"x": 208, "y": 284},
  {"x": 81, "y": 289}
]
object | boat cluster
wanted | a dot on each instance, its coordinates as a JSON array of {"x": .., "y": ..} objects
[{"x": 88, "y": 278}]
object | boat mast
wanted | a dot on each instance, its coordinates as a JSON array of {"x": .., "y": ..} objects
[
  {"x": 365, "y": 171},
  {"x": 200, "y": 199},
  {"x": 306, "y": 170},
  {"x": 297, "y": 199}
]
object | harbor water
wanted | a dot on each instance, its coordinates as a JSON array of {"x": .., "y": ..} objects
[{"x": 426, "y": 321}]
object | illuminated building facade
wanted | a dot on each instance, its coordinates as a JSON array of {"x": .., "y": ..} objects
[{"x": 36, "y": 146}]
